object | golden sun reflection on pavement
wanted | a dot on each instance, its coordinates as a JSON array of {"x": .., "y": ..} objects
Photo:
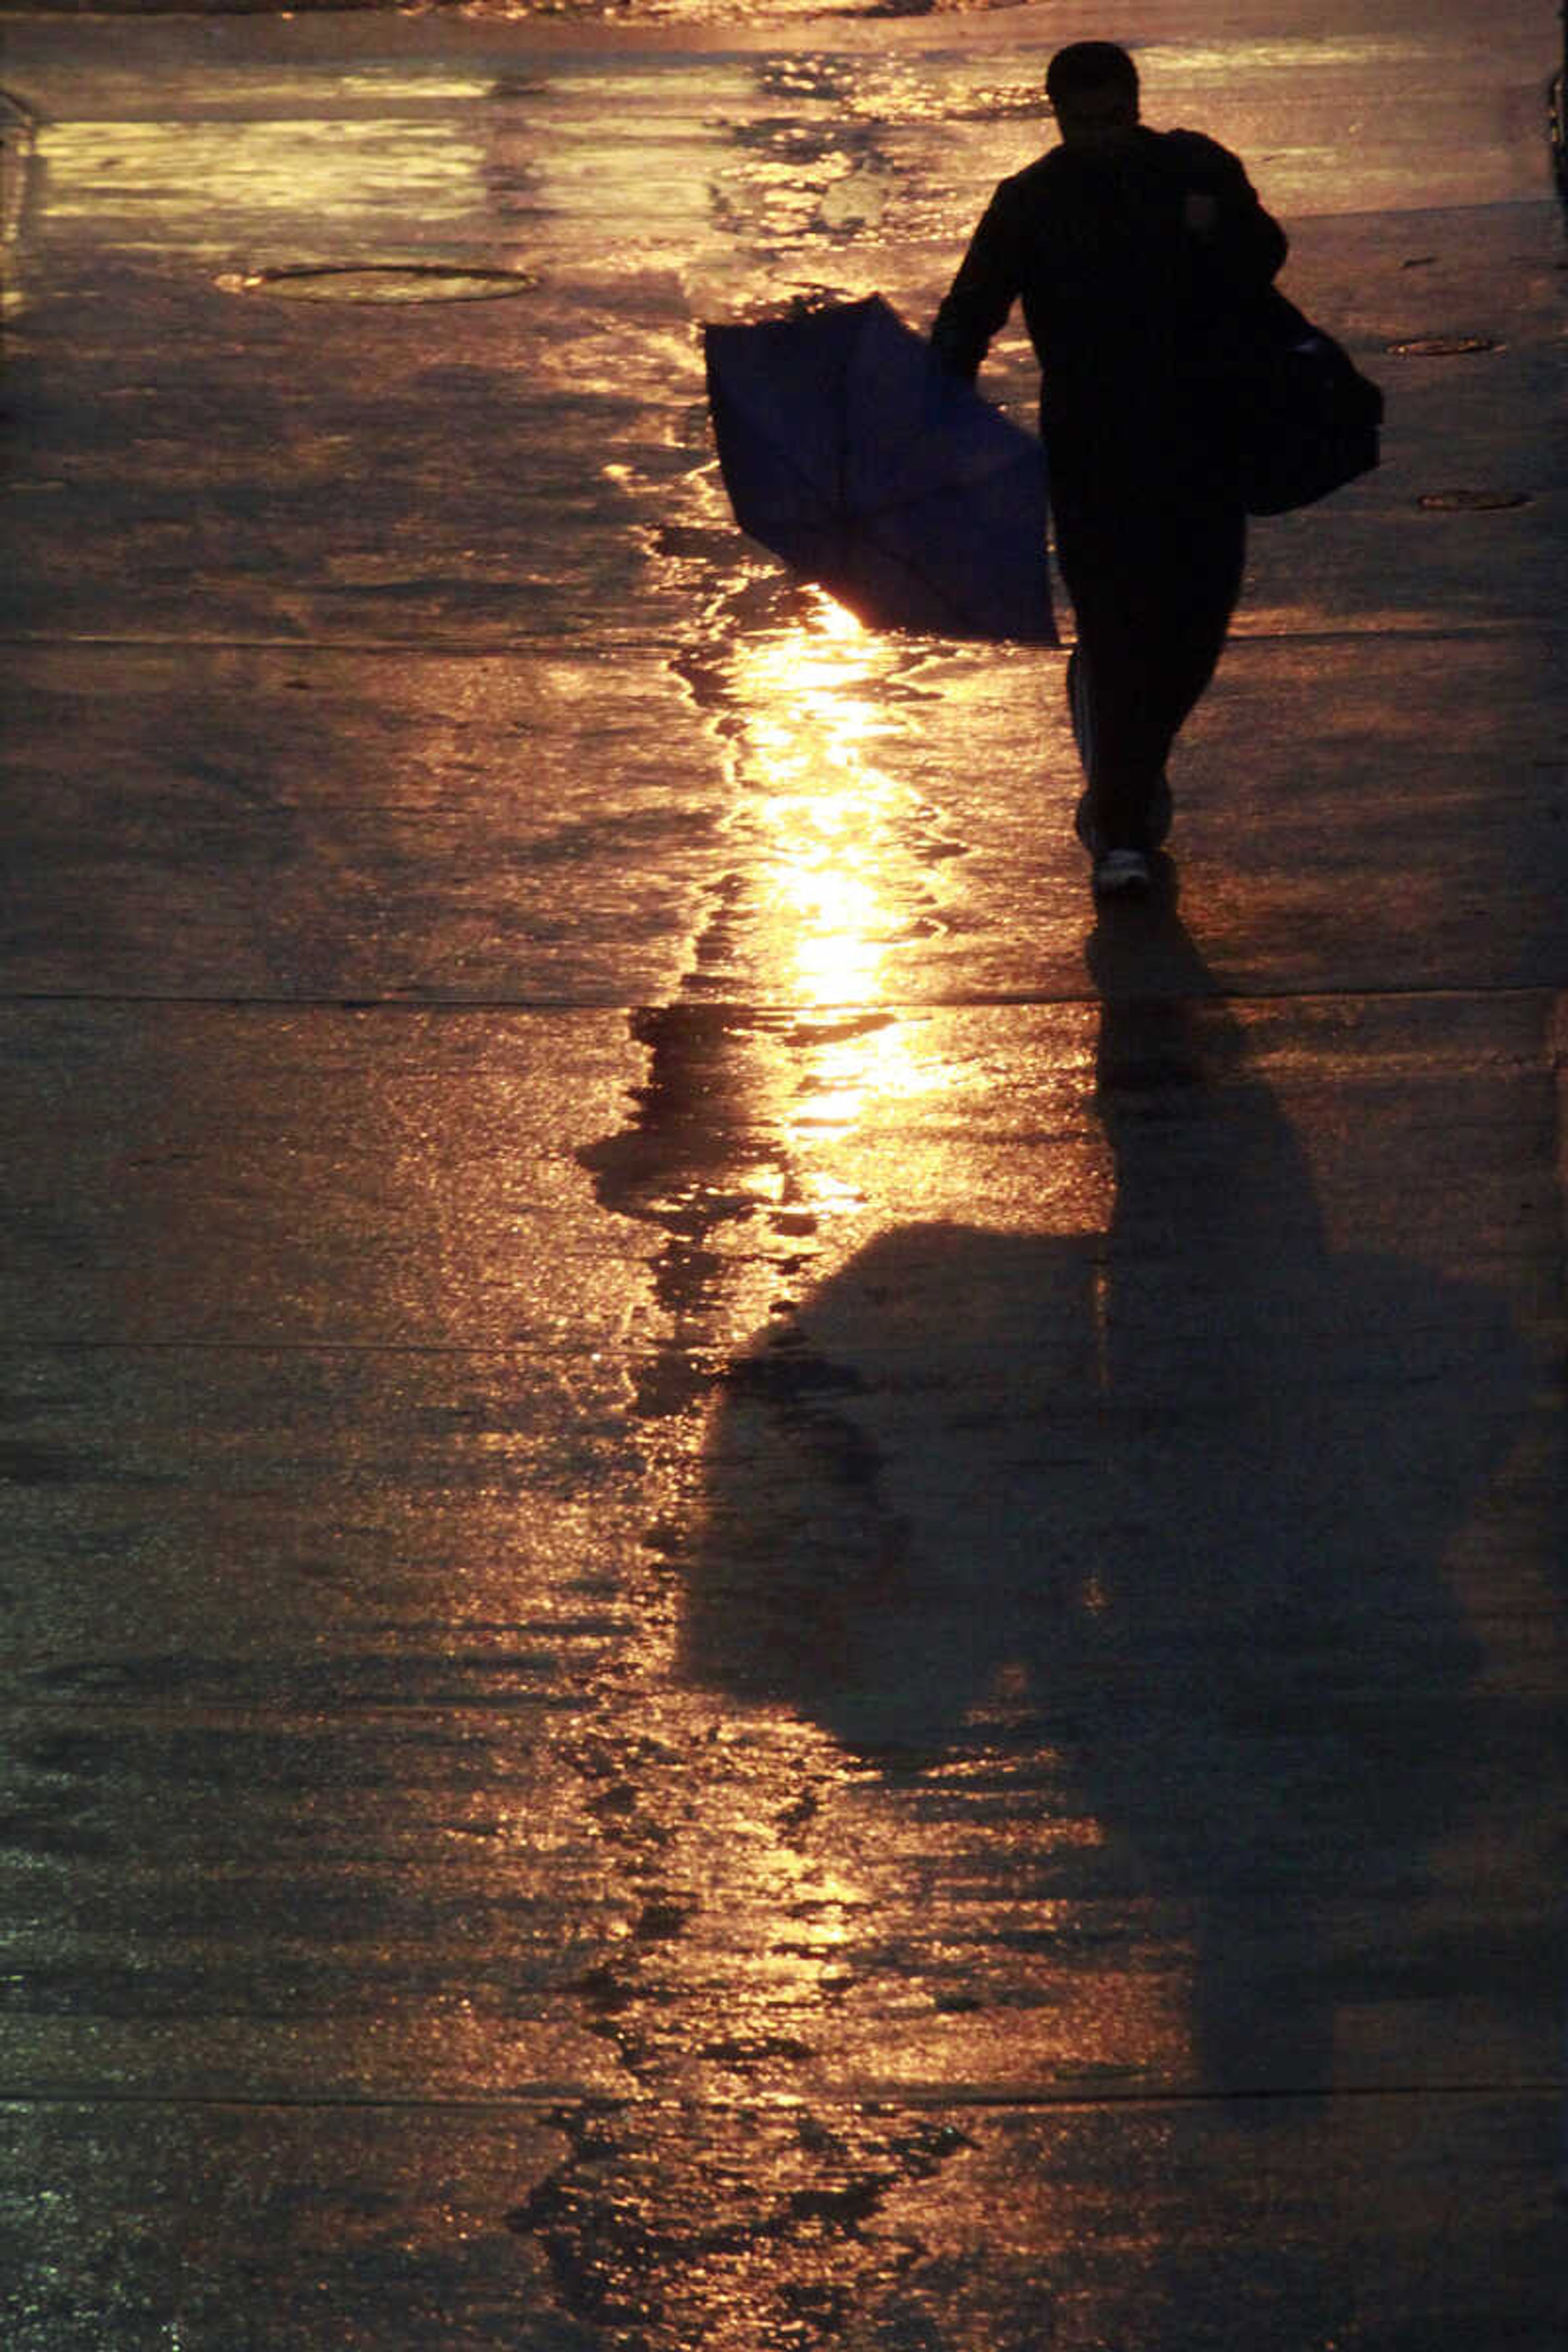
[
  {"x": 286, "y": 182},
  {"x": 840, "y": 878},
  {"x": 812, "y": 729},
  {"x": 824, "y": 805}
]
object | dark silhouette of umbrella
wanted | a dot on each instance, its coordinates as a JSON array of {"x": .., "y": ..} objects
[{"x": 853, "y": 453}]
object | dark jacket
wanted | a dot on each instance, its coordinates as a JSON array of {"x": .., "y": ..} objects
[{"x": 1128, "y": 305}]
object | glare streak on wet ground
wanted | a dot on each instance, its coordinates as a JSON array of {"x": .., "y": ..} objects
[{"x": 758, "y": 1594}]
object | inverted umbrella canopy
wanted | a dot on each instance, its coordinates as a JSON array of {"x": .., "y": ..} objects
[{"x": 853, "y": 453}]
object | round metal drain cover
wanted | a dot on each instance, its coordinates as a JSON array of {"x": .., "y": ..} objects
[
  {"x": 1472, "y": 502},
  {"x": 382, "y": 282},
  {"x": 1445, "y": 347}
]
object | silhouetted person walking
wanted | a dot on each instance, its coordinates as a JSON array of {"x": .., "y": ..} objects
[{"x": 1133, "y": 252}]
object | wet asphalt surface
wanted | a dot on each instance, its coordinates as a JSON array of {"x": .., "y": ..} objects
[{"x": 759, "y": 1592}]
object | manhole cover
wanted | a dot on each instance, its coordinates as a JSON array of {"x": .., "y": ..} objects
[
  {"x": 1472, "y": 502},
  {"x": 1445, "y": 347},
  {"x": 381, "y": 281}
]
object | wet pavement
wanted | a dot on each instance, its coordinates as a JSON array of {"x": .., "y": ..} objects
[{"x": 758, "y": 1593}]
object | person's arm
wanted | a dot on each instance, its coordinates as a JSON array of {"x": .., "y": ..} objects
[
  {"x": 1242, "y": 246},
  {"x": 977, "y": 304}
]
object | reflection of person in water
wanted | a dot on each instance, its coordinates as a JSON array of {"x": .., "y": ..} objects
[
  {"x": 1187, "y": 1484},
  {"x": 1130, "y": 250}
]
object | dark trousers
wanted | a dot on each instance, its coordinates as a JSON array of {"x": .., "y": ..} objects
[{"x": 1153, "y": 586}]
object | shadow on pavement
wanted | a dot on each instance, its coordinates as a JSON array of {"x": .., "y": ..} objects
[{"x": 1169, "y": 1502}]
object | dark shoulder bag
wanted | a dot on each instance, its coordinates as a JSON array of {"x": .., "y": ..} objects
[{"x": 1303, "y": 418}]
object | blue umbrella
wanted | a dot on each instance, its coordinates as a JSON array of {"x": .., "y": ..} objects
[{"x": 849, "y": 450}]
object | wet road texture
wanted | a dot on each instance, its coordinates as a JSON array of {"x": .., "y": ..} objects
[{"x": 759, "y": 1594}]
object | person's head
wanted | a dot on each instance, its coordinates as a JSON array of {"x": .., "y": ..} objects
[{"x": 1092, "y": 87}]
